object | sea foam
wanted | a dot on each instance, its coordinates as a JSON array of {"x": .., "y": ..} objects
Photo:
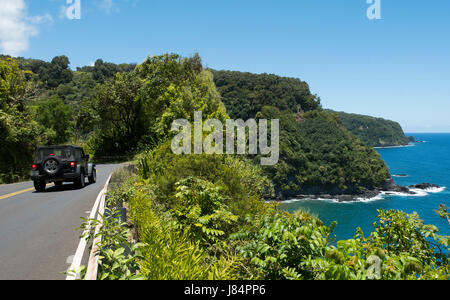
[{"x": 435, "y": 190}]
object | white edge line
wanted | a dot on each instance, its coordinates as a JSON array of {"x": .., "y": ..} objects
[{"x": 72, "y": 272}]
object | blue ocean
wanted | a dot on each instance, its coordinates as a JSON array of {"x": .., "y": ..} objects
[{"x": 426, "y": 161}]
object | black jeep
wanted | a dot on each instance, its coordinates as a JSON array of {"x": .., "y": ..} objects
[{"x": 59, "y": 164}]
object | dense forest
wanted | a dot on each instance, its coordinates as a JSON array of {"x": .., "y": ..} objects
[
  {"x": 375, "y": 132},
  {"x": 245, "y": 94}
]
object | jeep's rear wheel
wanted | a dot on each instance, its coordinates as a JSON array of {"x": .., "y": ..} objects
[{"x": 40, "y": 186}]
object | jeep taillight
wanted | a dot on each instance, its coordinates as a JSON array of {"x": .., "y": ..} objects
[
  {"x": 34, "y": 167},
  {"x": 72, "y": 165}
]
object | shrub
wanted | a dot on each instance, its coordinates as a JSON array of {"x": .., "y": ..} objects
[
  {"x": 278, "y": 245},
  {"x": 242, "y": 184},
  {"x": 200, "y": 210},
  {"x": 169, "y": 253}
]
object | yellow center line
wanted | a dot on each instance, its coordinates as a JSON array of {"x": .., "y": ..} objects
[{"x": 17, "y": 193}]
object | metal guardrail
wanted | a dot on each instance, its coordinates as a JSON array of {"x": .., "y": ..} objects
[{"x": 98, "y": 210}]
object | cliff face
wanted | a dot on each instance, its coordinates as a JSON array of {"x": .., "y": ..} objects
[{"x": 375, "y": 132}]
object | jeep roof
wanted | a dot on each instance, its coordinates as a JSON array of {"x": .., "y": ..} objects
[{"x": 65, "y": 151}]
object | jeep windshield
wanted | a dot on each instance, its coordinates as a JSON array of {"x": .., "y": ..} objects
[{"x": 64, "y": 153}]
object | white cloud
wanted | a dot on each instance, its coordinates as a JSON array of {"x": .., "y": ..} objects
[{"x": 16, "y": 27}]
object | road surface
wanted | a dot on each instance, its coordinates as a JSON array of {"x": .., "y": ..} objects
[{"x": 38, "y": 231}]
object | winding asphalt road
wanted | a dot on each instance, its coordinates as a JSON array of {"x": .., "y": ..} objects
[{"x": 38, "y": 231}]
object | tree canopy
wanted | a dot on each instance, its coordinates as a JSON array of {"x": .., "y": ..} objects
[
  {"x": 135, "y": 110},
  {"x": 245, "y": 94}
]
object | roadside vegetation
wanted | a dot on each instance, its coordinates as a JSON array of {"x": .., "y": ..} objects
[{"x": 193, "y": 226}]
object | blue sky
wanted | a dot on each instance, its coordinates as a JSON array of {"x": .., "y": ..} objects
[{"x": 397, "y": 67}]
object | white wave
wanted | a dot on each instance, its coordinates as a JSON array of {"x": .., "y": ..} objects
[
  {"x": 362, "y": 199},
  {"x": 376, "y": 198},
  {"x": 393, "y": 147},
  {"x": 417, "y": 193},
  {"x": 335, "y": 200},
  {"x": 435, "y": 190},
  {"x": 326, "y": 199},
  {"x": 290, "y": 201},
  {"x": 307, "y": 199}
]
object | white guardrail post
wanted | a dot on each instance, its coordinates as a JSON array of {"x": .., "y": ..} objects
[{"x": 98, "y": 210}]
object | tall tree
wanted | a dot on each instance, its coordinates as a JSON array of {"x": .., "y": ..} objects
[
  {"x": 136, "y": 110},
  {"x": 19, "y": 133},
  {"x": 56, "y": 116}
]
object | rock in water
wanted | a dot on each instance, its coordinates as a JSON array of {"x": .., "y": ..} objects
[{"x": 424, "y": 186}]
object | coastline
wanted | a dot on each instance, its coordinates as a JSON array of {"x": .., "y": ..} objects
[
  {"x": 390, "y": 188},
  {"x": 419, "y": 190}
]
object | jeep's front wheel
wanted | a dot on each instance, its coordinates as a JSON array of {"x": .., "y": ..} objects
[
  {"x": 59, "y": 184},
  {"x": 93, "y": 177},
  {"x": 80, "y": 183},
  {"x": 40, "y": 186}
]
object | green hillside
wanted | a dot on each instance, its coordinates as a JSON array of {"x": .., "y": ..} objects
[
  {"x": 318, "y": 155},
  {"x": 375, "y": 132}
]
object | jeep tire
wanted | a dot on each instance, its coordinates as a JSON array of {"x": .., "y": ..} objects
[
  {"x": 93, "y": 177},
  {"x": 40, "y": 186},
  {"x": 80, "y": 183},
  {"x": 59, "y": 184}
]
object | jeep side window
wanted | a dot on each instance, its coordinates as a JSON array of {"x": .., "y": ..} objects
[{"x": 77, "y": 154}]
